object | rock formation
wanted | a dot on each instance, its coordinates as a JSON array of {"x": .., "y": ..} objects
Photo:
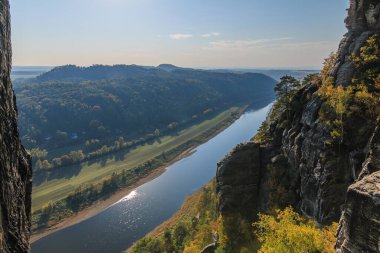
[
  {"x": 359, "y": 229},
  {"x": 363, "y": 21},
  {"x": 15, "y": 169},
  {"x": 238, "y": 179},
  {"x": 316, "y": 177}
]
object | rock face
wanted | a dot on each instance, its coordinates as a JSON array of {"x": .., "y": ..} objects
[
  {"x": 359, "y": 228},
  {"x": 238, "y": 178},
  {"x": 15, "y": 169},
  {"x": 363, "y": 21},
  {"x": 316, "y": 177}
]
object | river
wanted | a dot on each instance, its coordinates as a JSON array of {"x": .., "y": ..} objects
[{"x": 132, "y": 217}]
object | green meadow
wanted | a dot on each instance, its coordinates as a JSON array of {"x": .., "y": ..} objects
[{"x": 92, "y": 172}]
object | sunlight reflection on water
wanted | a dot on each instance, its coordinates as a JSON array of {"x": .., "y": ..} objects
[{"x": 131, "y": 195}]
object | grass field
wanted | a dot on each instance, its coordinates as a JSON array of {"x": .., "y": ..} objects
[{"x": 94, "y": 172}]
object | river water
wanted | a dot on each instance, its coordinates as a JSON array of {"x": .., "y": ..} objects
[{"x": 129, "y": 219}]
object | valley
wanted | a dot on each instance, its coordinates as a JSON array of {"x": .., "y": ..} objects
[
  {"x": 94, "y": 132},
  {"x": 95, "y": 172},
  {"x": 190, "y": 126},
  {"x": 152, "y": 203}
]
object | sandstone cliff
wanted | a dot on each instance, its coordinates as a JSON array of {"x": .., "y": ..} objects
[
  {"x": 15, "y": 169},
  {"x": 296, "y": 167},
  {"x": 359, "y": 227}
]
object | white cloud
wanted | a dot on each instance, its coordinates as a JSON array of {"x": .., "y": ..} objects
[
  {"x": 212, "y": 34},
  {"x": 242, "y": 44},
  {"x": 180, "y": 36}
]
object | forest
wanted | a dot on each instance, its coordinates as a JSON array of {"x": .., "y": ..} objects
[{"x": 71, "y": 105}]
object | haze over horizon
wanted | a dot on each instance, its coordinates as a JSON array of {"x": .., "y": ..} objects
[{"x": 199, "y": 34}]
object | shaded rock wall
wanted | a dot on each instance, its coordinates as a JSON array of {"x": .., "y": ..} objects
[
  {"x": 15, "y": 169},
  {"x": 238, "y": 180},
  {"x": 359, "y": 228}
]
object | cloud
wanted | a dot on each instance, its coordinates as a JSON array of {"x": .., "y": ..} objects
[
  {"x": 242, "y": 44},
  {"x": 212, "y": 34},
  {"x": 180, "y": 36}
]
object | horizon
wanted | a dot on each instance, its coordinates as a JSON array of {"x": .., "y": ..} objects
[
  {"x": 213, "y": 35},
  {"x": 201, "y": 68}
]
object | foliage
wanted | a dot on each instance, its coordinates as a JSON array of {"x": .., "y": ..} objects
[
  {"x": 286, "y": 86},
  {"x": 42, "y": 165},
  {"x": 190, "y": 230},
  {"x": 328, "y": 65},
  {"x": 263, "y": 133},
  {"x": 367, "y": 63},
  {"x": 37, "y": 153},
  {"x": 285, "y": 91},
  {"x": 313, "y": 79},
  {"x": 337, "y": 100},
  {"x": 71, "y": 105},
  {"x": 235, "y": 234},
  {"x": 277, "y": 185},
  {"x": 357, "y": 102},
  {"x": 147, "y": 245},
  {"x": 290, "y": 232}
]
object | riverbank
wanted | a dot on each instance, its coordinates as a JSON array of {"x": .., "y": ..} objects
[
  {"x": 100, "y": 205},
  {"x": 103, "y": 204},
  {"x": 199, "y": 206}
]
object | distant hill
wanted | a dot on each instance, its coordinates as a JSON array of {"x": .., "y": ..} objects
[
  {"x": 168, "y": 67},
  {"x": 274, "y": 73},
  {"x": 98, "y": 72},
  {"x": 73, "y": 104}
]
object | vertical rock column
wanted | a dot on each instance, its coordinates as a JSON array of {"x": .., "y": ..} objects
[
  {"x": 15, "y": 165},
  {"x": 359, "y": 227}
]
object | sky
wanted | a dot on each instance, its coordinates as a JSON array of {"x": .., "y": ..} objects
[{"x": 188, "y": 33}]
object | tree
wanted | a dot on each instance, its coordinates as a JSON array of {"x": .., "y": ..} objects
[
  {"x": 367, "y": 102},
  {"x": 312, "y": 78},
  {"x": 172, "y": 125},
  {"x": 285, "y": 91},
  {"x": 337, "y": 100},
  {"x": 179, "y": 235},
  {"x": 287, "y": 231},
  {"x": 157, "y": 133},
  {"x": 147, "y": 245},
  {"x": 37, "y": 153},
  {"x": 367, "y": 63},
  {"x": 66, "y": 160},
  {"x": 38, "y": 165},
  {"x": 120, "y": 143},
  {"x": 57, "y": 162},
  {"x": 168, "y": 242},
  {"x": 77, "y": 156},
  {"x": 328, "y": 65},
  {"x": 46, "y": 165}
]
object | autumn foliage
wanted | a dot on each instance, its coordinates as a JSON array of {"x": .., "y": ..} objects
[{"x": 288, "y": 231}]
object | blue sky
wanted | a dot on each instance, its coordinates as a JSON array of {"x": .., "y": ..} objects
[{"x": 191, "y": 33}]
